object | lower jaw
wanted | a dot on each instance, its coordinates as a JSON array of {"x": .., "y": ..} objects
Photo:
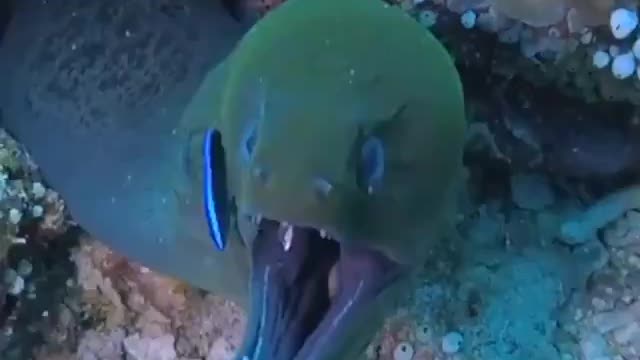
[{"x": 305, "y": 298}]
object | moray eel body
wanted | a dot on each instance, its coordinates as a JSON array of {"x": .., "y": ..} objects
[
  {"x": 95, "y": 91},
  {"x": 342, "y": 126}
]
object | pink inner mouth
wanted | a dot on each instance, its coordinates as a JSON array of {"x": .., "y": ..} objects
[{"x": 293, "y": 313}]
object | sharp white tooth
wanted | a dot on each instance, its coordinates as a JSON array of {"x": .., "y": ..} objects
[
  {"x": 323, "y": 186},
  {"x": 255, "y": 220},
  {"x": 288, "y": 236},
  {"x": 323, "y": 233}
]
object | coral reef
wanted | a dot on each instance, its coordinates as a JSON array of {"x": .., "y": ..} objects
[
  {"x": 115, "y": 309},
  {"x": 35, "y": 236},
  {"x": 524, "y": 290},
  {"x": 575, "y": 45},
  {"x": 147, "y": 316},
  {"x": 533, "y": 240}
]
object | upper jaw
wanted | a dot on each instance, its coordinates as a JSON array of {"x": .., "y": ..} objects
[
  {"x": 287, "y": 227},
  {"x": 295, "y": 311}
]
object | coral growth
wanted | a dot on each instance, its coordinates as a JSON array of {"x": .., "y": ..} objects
[
  {"x": 581, "y": 297},
  {"x": 148, "y": 316},
  {"x": 23, "y": 197},
  {"x": 583, "y": 47}
]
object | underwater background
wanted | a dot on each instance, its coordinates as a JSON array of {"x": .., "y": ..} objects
[{"x": 546, "y": 261}]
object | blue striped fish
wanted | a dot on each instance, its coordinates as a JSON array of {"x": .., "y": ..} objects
[{"x": 215, "y": 188}]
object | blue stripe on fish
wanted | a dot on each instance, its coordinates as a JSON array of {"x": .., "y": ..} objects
[{"x": 215, "y": 199}]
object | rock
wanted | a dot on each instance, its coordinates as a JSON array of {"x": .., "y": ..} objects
[
  {"x": 145, "y": 348},
  {"x": 627, "y": 334},
  {"x": 221, "y": 349},
  {"x": 594, "y": 347},
  {"x": 98, "y": 345},
  {"x": 531, "y": 191},
  {"x": 592, "y": 256},
  {"x": 625, "y": 231},
  {"x": 608, "y": 321}
]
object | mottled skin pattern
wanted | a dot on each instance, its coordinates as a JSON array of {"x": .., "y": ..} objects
[
  {"x": 99, "y": 111},
  {"x": 95, "y": 91}
]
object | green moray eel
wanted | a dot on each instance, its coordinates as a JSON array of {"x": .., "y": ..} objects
[{"x": 342, "y": 124}]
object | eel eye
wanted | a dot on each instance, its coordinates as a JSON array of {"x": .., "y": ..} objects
[
  {"x": 370, "y": 169},
  {"x": 249, "y": 143},
  {"x": 215, "y": 188}
]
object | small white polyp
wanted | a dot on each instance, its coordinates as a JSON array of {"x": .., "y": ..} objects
[
  {"x": 601, "y": 59},
  {"x": 623, "y": 66},
  {"x": 452, "y": 342},
  {"x": 636, "y": 48},
  {"x": 468, "y": 19},
  {"x": 623, "y": 22}
]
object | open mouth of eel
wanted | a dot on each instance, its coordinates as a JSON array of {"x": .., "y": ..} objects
[{"x": 306, "y": 290}]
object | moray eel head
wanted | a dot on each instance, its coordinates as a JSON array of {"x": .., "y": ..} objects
[{"x": 342, "y": 124}]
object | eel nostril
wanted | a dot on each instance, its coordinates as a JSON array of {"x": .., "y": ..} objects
[
  {"x": 260, "y": 174},
  {"x": 322, "y": 187},
  {"x": 371, "y": 166},
  {"x": 249, "y": 142}
]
